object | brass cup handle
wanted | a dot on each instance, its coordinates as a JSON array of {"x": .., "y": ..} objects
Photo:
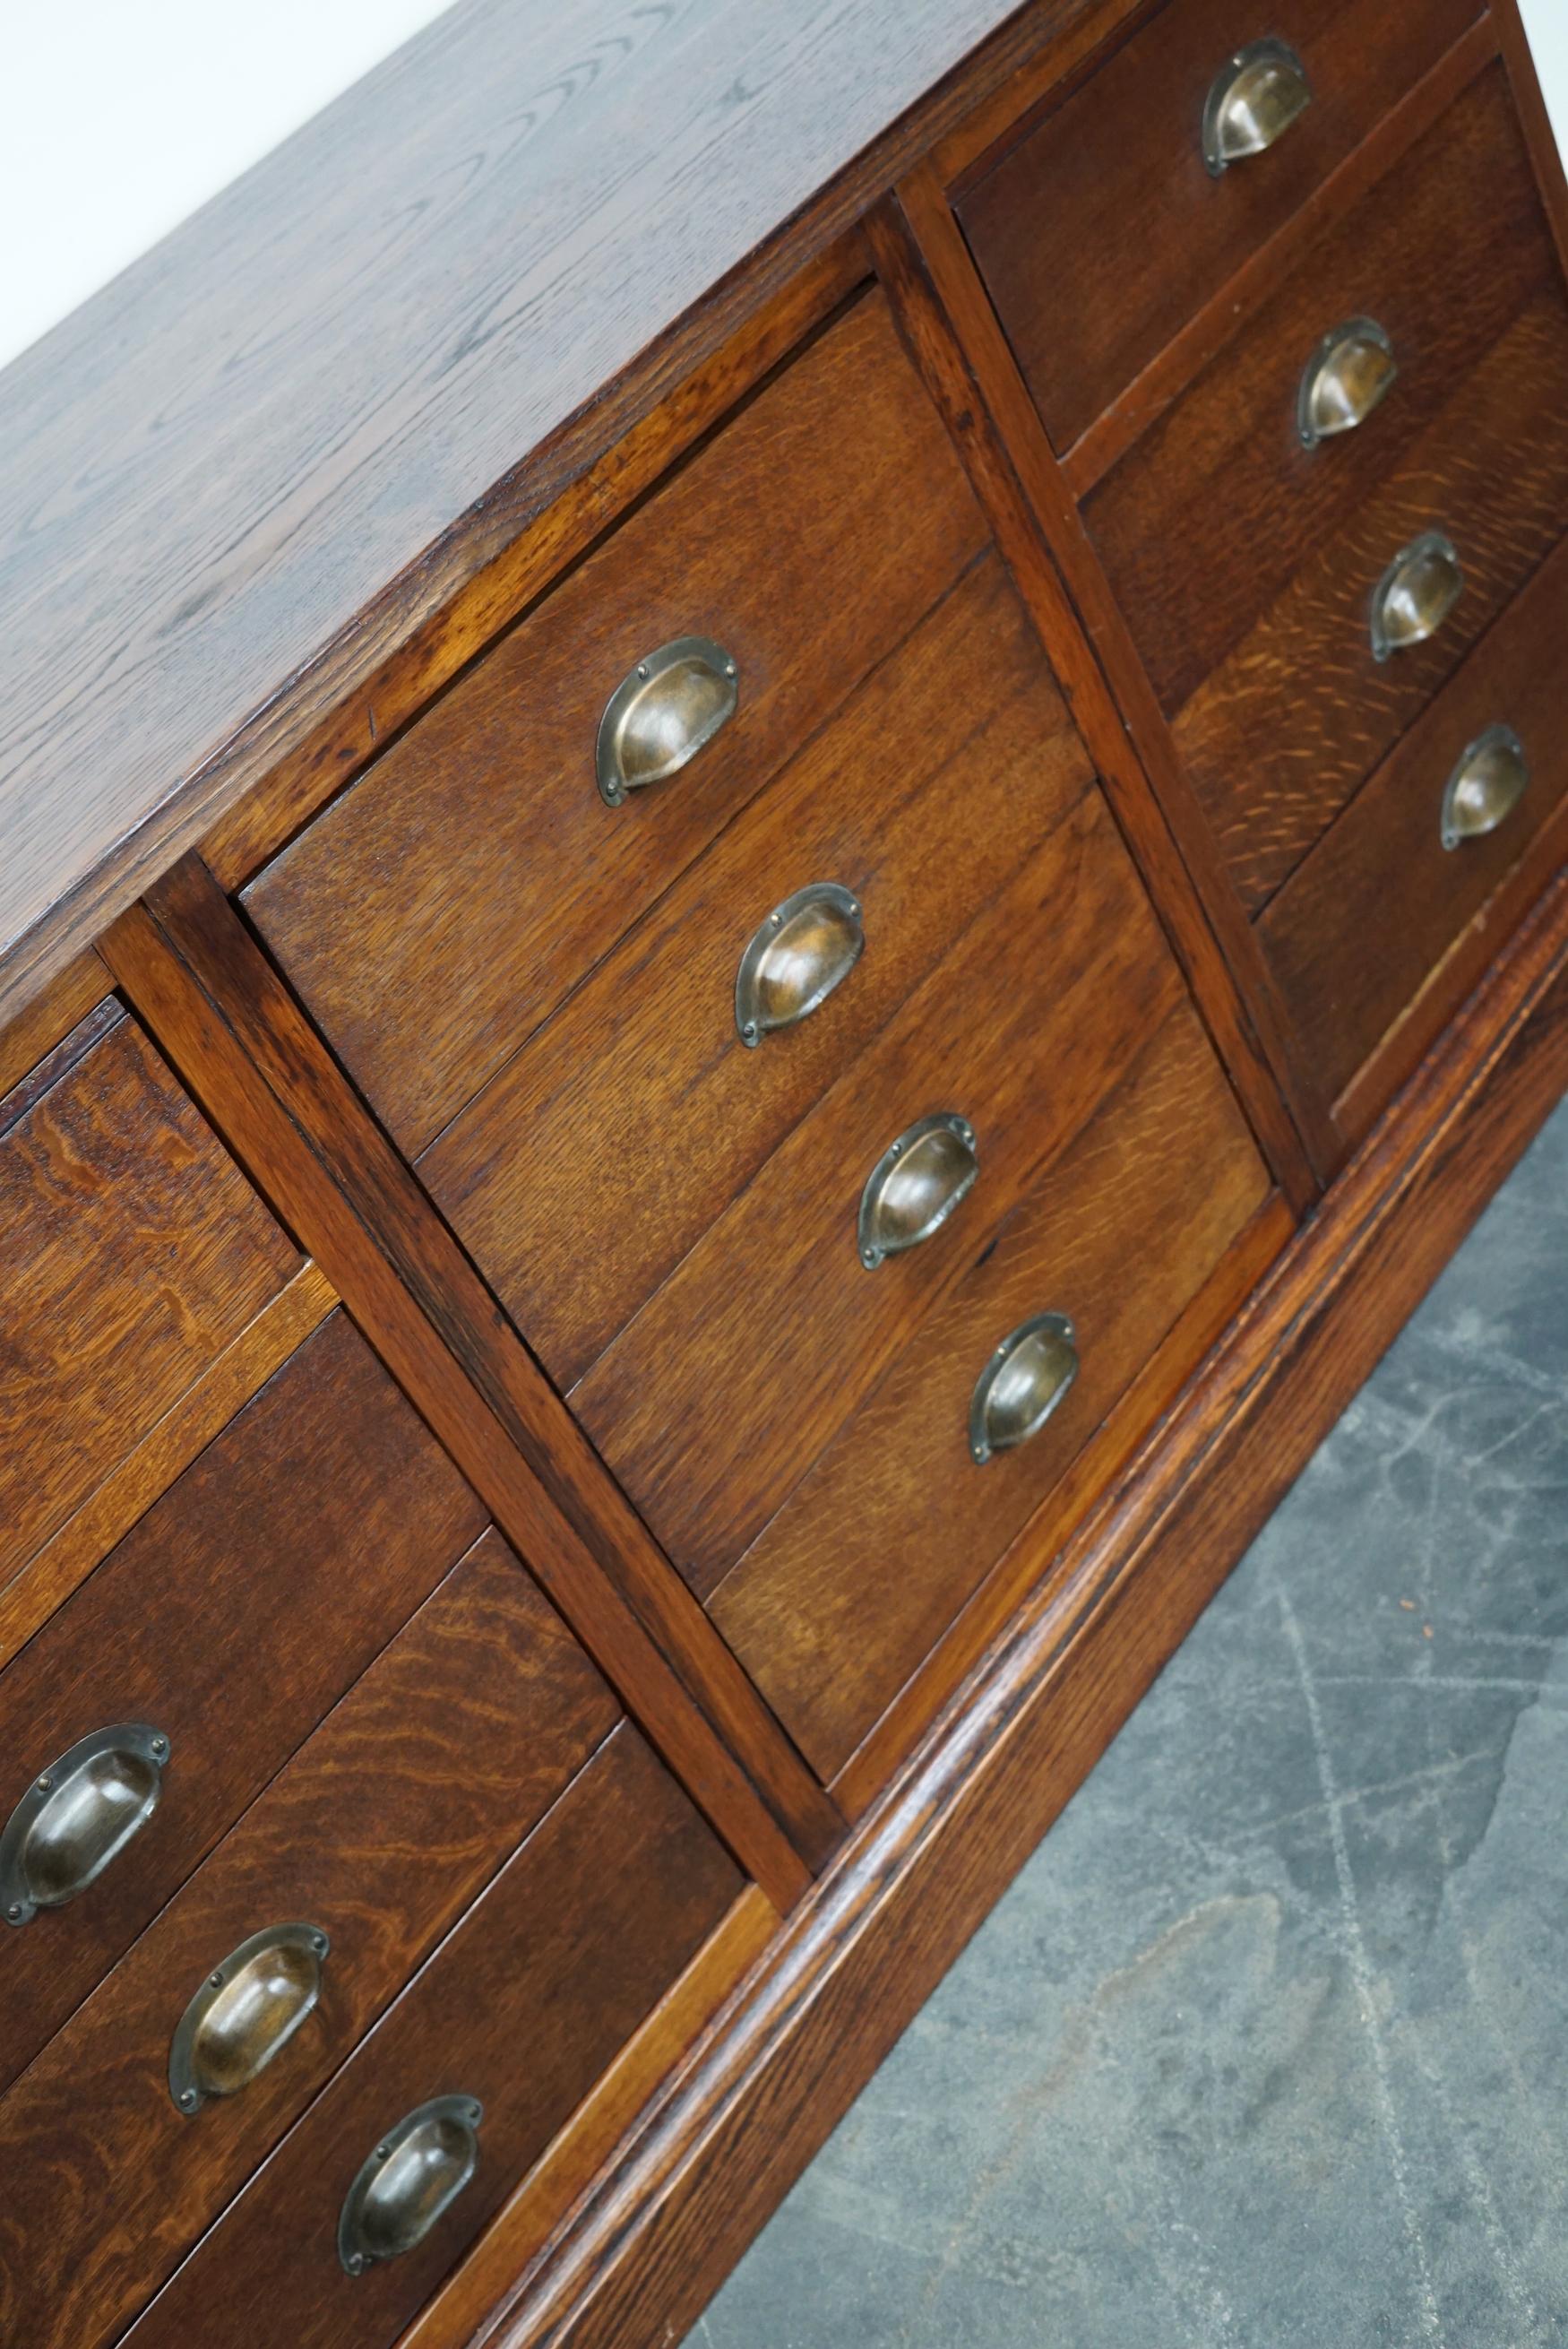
[
  {"x": 1350, "y": 373},
  {"x": 663, "y": 712},
  {"x": 1025, "y": 1380},
  {"x": 1485, "y": 787},
  {"x": 1252, "y": 101},
  {"x": 806, "y": 947},
  {"x": 1416, "y": 594},
  {"x": 409, "y": 2180},
  {"x": 78, "y": 1814},
  {"x": 915, "y": 1186},
  {"x": 245, "y": 2012}
]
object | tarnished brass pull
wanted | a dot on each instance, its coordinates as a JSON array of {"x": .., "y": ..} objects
[
  {"x": 1485, "y": 787},
  {"x": 661, "y": 715},
  {"x": 1351, "y": 371},
  {"x": 245, "y": 2012},
  {"x": 1022, "y": 1384},
  {"x": 915, "y": 1186},
  {"x": 1253, "y": 99},
  {"x": 78, "y": 1815},
  {"x": 405, "y": 2184},
  {"x": 806, "y": 947},
  {"x": 1416, "y": 594}
]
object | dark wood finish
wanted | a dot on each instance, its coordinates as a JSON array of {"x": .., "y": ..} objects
[
  {"x": 368, "y": 416},
  {"x": 50, "y": 1016},
  {"x": 402, "y": 915},
  {"x": 523, "y": 2006},
  {"x": 235, "y": 1613},
  {"x": 714, "y": 1402},
  {"x": 247, "y": 1051},
  {"x": 974, "y": 379},
  {"x": 385, "y": 1825},
  {"x": 1378, "y": 901},
  {"x": 1105, "y": 221},
  {"x": 1280, "y": 736},
  {"x": 878, "y": 1548},
  {"x": 766, "y": 2082},
  {"x": 1525, "y": 87},
  {"x": 603, "y": 1152},
  {"x": 1212, "y": 513},
  {"x": 104, "y": 1162}
]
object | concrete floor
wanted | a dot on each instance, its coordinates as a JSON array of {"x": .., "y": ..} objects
[{"x": 1267, "y": 2048}]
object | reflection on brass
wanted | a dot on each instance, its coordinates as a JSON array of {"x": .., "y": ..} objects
[
  {"x": 78, "y": 1815},
  {"x": 915, "y": 1186},
  {"x": 1416, "y": 594},
  {"x": 245, "y": 2012},
  {"x": 1021, "y": 1386},
  {"x": 1254, "y": 98},
  {"x": 1485, "y": 787},
  {"x": 1350, "y": 372},
  {"x": 801, "y": 952},
  {"x": 407, "y": 2180},
  {"x": 661, "y": 715}
]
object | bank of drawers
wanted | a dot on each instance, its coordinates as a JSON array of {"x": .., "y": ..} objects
[
  {"x": 1299, "y": 609},
  {"x": 819, "y": 1065},
  {"x": 304, "y": 1765}
]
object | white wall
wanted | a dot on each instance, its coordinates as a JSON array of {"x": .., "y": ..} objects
[{"x": 119, "y": 116}]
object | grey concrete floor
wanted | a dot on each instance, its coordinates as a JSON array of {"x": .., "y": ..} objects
[{"x": 1267, "y": 2047}]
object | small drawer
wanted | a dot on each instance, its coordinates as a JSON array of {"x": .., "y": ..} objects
[
  {"x": 515, "y": 2017},
  {"x": 435, "y": 914},
  {"x": 1109, "y": 219},
  {"x": 601, "y": 1155},
  {"x": 711, "y": 1406},
  {"x": 383, "y": 1829},
  {"x": 1379, "y": 900},
  {"x": 1210, "y": 516},
  {"x": 135, "y": 1251},
  {"x": 876, "y": 1552},
  {"x": 200, "y": 1654}
]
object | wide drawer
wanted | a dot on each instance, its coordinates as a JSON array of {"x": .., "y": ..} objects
[
  {"x": 444, "y": 905},
  {"x": 606, "y": 1148},
  {"x": 385, "y": 1827},
  {"x": 876, "y": 1552},
  {"x": 713, "y": 1402},
  {"x": 1101, "y": 233},
  {"x": 135, "y": 1251},
  {"x": 223, "y": 1626},
  {"x": 1381, "y": 898},
  {"x": 517, "y": 2014},
  {"x": 1215, "y": 511}
]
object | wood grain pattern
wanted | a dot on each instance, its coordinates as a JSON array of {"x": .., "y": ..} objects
[
  {"x": 524, "y": 2006},
  {"x": 1215, "y": 509},
  {"x": 878, "y": 1548},
  {"x": 1282, "y": 733},
  {"x": 387, "y": 1823},
  {"x": 1106, "y": 216},
  {"x": 237, "y": 1609},
  {"x": 168, "y": 1448},
  {"x": 349, "y": 381},
  {"x": 443, "y": 907},
  {"x": 762, "y": 2089},
  {"x": 51, "y": 1015},
  {"x": 264, "y": 1074},
  {"x": 714, "y": 1401},
  {"x": 971, "y": 373},
  {"x": 606, "y": 1149},
  {"x": 104, "y": 1162},
  {"x": 1347, "y": 968}
]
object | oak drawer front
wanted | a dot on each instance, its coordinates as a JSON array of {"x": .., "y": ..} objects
[
  {"x": 599, "y": 1157},
  {"x": 437, "y": 914},
  {"x": 519, "y": 2011},
  {"x": 225, "y": 1624},
  {"x": 134, "y": 1252},
  {"x": 1214, "y": 512},
  {"x": 875, "y": 1554},
  {"x": 1280, "y": 737},
  {"x": 1102, "y": 232},
  {"x": 385, "y": 1826},
  {"x": 1380, "y": 899},
  {"x": 713, "y": 1402}
]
